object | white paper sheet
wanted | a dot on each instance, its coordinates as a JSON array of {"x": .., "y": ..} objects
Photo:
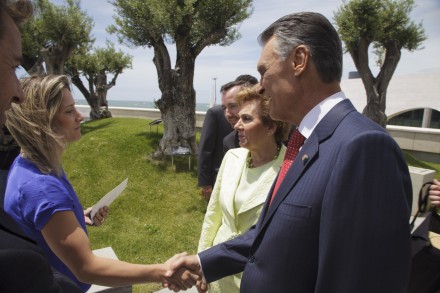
[{"x": 107, "y": 199}]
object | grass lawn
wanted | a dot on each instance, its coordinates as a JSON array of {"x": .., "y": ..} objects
[
  {"x": 422, "y": 164},
  {"x": 160, "y": 213}
]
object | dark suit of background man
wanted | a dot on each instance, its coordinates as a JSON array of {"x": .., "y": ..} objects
[
  {"x": 218, "y": 125},
  {"x": 210, "y": 156},
  {"x": 23, "y": 266},
  {"x": 9, "y": 150},
  {"x": 339, "y": 220}
]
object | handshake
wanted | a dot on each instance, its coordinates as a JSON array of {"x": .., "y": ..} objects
[{"x": 183, "y": 271}]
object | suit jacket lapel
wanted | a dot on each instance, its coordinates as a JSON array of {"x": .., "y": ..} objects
[
  {"x": 306, "y": 156},
  {"x": 231, "y": 181}
]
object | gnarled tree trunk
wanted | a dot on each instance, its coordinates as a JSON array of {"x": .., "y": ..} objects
[
  {"x": 177, "y": 103},
  {"x": 375, "y": 110},
  {"x": 55, "y": 58},
  {"x": 177, "y": 108},
  {"x": 89, "y": 96},
  {"x": 97, "y": 99},
  {"x": 376, "y": 87}
]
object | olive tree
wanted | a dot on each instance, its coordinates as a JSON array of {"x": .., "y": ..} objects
[
  {"x": 191, "y": 25},
  {"x": 386, "y": 26},
  {"x": 100, "y": 68},
  {"x": 53, "y": 35}
]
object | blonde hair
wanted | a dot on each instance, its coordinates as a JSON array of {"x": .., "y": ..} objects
[
  {"x": 31, "y": 123},
  {"x": 251, "y": 94}
]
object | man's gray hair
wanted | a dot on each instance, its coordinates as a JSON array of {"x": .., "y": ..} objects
[
  {"x": 315, "y": 32},
  {"x": 18, "y": 10}
]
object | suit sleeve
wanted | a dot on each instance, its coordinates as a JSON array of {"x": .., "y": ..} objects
[
  {"x": 232, "y": 255},
  {"x": 206, "y": 150},
  {"x": 364, "y": 235},
  {"x": 229, "y": 141},
  {"x": 26, "y": 271},
  {"x": 213, "y": 215}
]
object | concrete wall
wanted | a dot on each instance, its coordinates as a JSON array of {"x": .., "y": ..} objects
[
  {"x": 405, "y": 93},
  {"x": 423, "y": 143}
]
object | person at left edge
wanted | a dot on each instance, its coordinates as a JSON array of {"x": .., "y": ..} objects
[
  {"x": 41, "y": 199},
  {"x": 23, "y": 265}
]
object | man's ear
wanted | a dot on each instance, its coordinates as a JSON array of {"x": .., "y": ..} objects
[{"x": 299, "y": 59}]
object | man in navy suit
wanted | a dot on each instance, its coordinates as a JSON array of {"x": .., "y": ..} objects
[
  {"x": 23, "y": 265},
  {"x": 339, "y": 220}
]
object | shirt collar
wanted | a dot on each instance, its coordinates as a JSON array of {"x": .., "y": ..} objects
[{"x": 314, "y": 116}]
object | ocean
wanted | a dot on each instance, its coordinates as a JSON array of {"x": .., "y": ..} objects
[{"x": 202, "y": 107}]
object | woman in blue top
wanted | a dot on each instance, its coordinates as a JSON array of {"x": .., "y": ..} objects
[{"x": 41, "y": 199}]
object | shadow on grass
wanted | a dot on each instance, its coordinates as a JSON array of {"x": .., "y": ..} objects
[
  {"x": 87, "y": 127},
  {"x": 177, "y": 164},
  {"x": 154, "y": 140},
  {"x": 197, "y": 206}
]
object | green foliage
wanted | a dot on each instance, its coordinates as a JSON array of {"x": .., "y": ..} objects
[
  {"x": 160, "y": 212},
  {"x": 101, "y": 60},
  {"x": 145, "y": 22},
  {"x": 384, "y": 24},
  {"x": 192, "y": 25},
  {"x": 65, "y": 26},
  {"x": 379, "y": 22},
  {"x": 112, "y": 61}
]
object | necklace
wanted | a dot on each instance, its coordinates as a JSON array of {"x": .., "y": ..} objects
[{"x": 249, "y": 163}]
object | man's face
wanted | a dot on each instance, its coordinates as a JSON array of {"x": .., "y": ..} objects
[
  {"x": 230, "y": 106},
  {"x": 278, "y": 82},
  {"x": 10, "y": 57}
]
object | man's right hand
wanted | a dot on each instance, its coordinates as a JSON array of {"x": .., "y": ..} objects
[
  {"x": 190, "y": 262},
  {"x": 206, "y": 192}
]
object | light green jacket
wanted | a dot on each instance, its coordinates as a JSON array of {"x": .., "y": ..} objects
[{"x": 221, "y": 221}]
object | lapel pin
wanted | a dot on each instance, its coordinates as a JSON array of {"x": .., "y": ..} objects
[{"x": 305, "y": 158}]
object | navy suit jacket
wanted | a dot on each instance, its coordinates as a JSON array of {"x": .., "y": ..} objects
[
  {"x": 215, "y": 128},
  {"x": 23, "y": 265},
  {"x": 339, "y": 222},
  {"x": 230, "y": 141}
]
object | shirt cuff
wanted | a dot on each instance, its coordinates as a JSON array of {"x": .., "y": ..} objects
[{"x": 201, "y": 268}]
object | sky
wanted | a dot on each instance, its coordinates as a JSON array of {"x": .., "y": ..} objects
[{"x": 218, "y": 65}]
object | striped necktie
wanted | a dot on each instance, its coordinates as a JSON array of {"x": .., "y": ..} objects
[{"x": 295, "y": 142}]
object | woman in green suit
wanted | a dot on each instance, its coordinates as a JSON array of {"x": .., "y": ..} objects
[{"x": 244, "y": 179}]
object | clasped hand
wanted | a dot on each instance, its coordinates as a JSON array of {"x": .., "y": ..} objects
[{"x": 184, "y": 270}]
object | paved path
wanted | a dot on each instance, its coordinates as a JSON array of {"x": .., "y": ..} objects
[{"x": 192, "y": 290}]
